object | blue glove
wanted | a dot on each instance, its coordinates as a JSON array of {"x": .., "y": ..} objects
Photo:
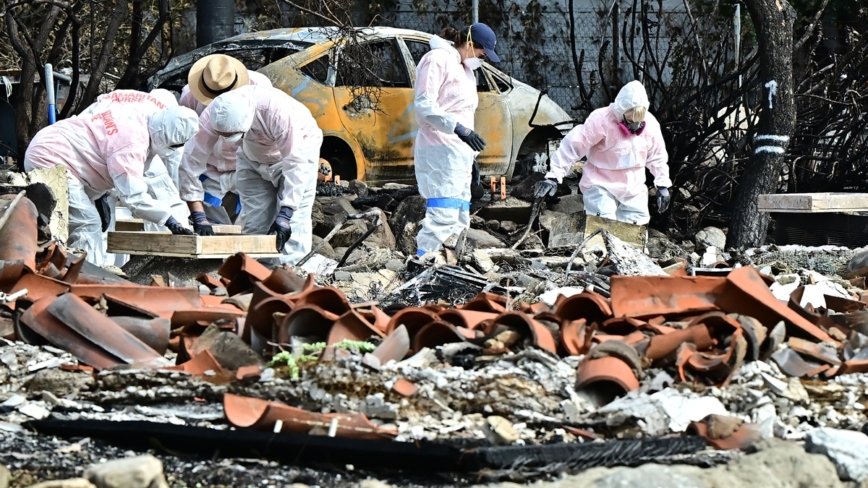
[
  {"x": 471, "y": 138},
  {"x": 201, "y": 225},
  {"x": 662, "y": 199},
  {"x": 281, "y": 228},
  {"x": 545, "y": 188},
  {"x": 177, "y": 228}
]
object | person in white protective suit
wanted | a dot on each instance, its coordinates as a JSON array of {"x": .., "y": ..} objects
[
  {"x": 445, "y": 102},
  {"x": 161, "y": 174},
  {"x": 214, "y": 75},
  {"x": 208, "y": 78},
  {"x": 619, "y": 141},
  {"x": 277, "y": 163},
  {"x": 208, "y": 169},
  {"x": 108, "y": 150}
]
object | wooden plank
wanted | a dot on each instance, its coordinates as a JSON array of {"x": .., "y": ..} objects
[
  {"x": 813, "y": 202},
  {"x": 138, "y": 225},
  {"x": 166, "y": 244},
  {"x": 635, "y": 235}
]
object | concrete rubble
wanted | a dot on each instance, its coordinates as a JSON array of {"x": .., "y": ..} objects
[{"x": 555, "y": 363}]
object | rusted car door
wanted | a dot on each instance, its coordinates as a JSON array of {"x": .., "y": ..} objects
[
  {"x": 493, "y": 121},
  {"x": 380, "y": 121}
]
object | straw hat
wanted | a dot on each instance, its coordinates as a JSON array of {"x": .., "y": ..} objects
[{"x": 214, "y": 75}]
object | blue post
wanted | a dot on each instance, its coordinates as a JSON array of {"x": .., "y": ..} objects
[{"x": 49, "y": 89}]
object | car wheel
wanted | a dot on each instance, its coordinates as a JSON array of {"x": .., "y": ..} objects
[
  {"x": 534, "y": 143},
  {"x": 340, "y": 157}
]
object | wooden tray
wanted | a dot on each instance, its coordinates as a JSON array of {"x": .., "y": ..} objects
[{"x": 197, "y": 247}]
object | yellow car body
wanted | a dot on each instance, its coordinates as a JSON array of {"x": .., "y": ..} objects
[{"x": 373, "y": 139}]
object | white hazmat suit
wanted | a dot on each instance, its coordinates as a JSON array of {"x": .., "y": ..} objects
[
  {"x": 161, "y": 174},
  {"x": 108, "y": 150},
  {"x": 277, "y": 162},
  {"x": 445, "y": 97},
  {"x": 613, "y": 179},
  {"x": 208, "y": 165}
]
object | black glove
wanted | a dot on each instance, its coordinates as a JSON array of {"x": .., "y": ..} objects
[
  {"x": 662, "y": 199},
  {"x": 545, "y": 188},
  {"x": 477, "y": 191},
  {"x": 281, "y": 227},
  {"x": 471, "y": 138},
  {"x": 177, "y": 228},
  {"x": 201, "y": 224},
  {"x": 104, "y": 210}
]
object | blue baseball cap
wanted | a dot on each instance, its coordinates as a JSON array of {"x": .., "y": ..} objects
[{"x": 484, "y": 36}]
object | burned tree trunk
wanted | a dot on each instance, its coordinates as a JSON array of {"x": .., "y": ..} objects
[{"x": 773, "y": 22}]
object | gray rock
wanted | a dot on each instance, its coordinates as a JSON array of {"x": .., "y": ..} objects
[
  {"x": 343, "y": 275},
  {"x": 70, "y": 483},
  {"x": 710, "y": 237},
  {"x": 479, "y": 239},
  {"x": 328, "y": 212},
  {"x": 60, "y": 383},
  {"x": 508, "y": 226},
  {"x": 354, "y": 229},
  {"x": 778, "y": 464},
  {"x": 477, "y": 222},
  {"x": 406, "y": 222},
  {"x": 135, "y": 472},
  {"x": 227, "y": 347},
  {"x": 858, "y": 261},
  {"x": 395, "y": 264},
  {"x": 532, "y": 241},
  {"x": 360, "y": 187},
  {"x": 557, "y": 224},
  {"x": 482, "y": 260},
  {"x": 845, "y": 448},
  {"x": 326, "y": 250},
  {"x": 493, "y": 225},
  {"x": 570, "y": 204},
  {"x": 649, "y": 476}
]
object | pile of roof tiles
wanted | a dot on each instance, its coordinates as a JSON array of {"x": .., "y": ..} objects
[{"x": 702, "y": 328}]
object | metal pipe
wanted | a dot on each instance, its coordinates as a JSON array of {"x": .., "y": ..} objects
[
  {"x": 737, "y": 32},
  {"x": 215, "y": 21},
  {"x": 49, "y": 89},
  {"x": 475, "y": 11}
]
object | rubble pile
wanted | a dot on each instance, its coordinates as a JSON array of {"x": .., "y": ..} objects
[{"x": 505, "y": 363}]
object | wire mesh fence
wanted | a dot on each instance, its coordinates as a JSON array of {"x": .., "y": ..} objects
[{"x": 536, "y": 47}]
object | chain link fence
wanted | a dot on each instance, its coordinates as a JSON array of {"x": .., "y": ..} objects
[{"x": 535, "y": 46}]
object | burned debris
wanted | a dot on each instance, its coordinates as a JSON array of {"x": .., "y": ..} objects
[{"x": 481, "y": 361}]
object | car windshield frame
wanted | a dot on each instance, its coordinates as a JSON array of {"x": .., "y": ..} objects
[{"x": 184, "y": 62}]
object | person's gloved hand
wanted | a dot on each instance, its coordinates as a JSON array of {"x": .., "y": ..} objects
[
  {"x": 477, "y": 191},
  {"x": 662, "y": 199},
  {"x": 177, "y": 228},
  {"x": 281, "y": 228},
  {"x": 470, "y": 137},
  {"x": 545, "y": 188},
  {"x": 104, "y": 210},
  {"x": 201, "y": 225}
]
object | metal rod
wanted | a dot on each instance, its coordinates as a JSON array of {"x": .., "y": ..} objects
[
  {"x": 737, "y": 32},
  {"x": 322, "y": 243},
  {"x": 475, "y": 11},
  {"x": 49, "y": 89}
]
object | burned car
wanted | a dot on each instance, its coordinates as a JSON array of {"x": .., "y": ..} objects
[{"x": 369, "y": 134}]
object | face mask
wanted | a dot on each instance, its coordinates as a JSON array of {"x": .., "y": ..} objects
[
  {"x": 234, "y": 138},
  {"x": 473, "y": 63},
  {"x": 635, "y": 128}
]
